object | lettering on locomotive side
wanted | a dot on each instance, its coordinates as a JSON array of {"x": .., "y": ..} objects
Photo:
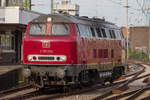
[{"x": 46, "y": 51}]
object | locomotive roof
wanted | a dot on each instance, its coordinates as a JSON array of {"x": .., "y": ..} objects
[{"x": 64, "y": 18}]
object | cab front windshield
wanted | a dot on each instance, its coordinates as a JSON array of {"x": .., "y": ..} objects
[{"x": 55, "y": 29}]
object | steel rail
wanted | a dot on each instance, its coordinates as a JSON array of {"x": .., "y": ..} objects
[
  {"x": 14, "y": 89},
  {"x": 29, "y": 95},
  {"x": 122, "y": 95},
  {"x": 138, "y": 93},
  {"x": 118, "y": 88},
  {"x": 135, "y": 77},
  {"x": 130, "y": 93},
  {"x": 24, "y": 96},
  {"x": 59, "y": 95},
  {"x": 39, "y": 93},
  {"x": 80, "y": 91}
]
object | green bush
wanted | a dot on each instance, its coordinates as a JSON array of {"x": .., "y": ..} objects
[{"x": 137, "y": 55}]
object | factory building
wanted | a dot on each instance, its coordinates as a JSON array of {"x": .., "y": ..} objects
[
  {"x": 65, "y": 6},
  {"x": 138, "y": 38}
]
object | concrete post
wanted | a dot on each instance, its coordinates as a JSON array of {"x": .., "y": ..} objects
[
  {"x": 52, "y": 6},
  {"x": 127, "y": 27},
  {"x": 3, "y": 3}
]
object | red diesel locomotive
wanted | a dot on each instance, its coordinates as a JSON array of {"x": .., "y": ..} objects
[{"x": 60, "y": 49}]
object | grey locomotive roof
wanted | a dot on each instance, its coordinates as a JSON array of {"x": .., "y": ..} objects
[{"x": 64, "y": 18}]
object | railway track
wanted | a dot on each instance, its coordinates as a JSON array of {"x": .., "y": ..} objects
[
  {"x": 52, "y": 95},
  {"x": 130, "y": 95},
  {"x": 24, "y": 96},
  {"x": 20, "y": 87},
  {"x": 40, "y": 95},
  {"x": 119, "y": 89}
]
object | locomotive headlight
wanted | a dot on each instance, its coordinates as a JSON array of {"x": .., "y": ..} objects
[
  {"x": 63, "y": 58},
  {"x": 60, "y": 73},
  {"x": 49, "y": 19},
  {"x": 29, "y": 58},
  {"x": 26, "y": 72}
]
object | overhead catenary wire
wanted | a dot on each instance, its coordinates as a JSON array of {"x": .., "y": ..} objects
[
  {"x": 136, "y": 10},
  {"x": 118, "y": 3}
]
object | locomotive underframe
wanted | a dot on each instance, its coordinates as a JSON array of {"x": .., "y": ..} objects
[{"x": 42, "y": 76}]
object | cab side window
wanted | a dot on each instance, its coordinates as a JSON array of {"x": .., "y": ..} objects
[
  {"x": 77, "y": 30},
  {"x": 112, "y": 34},
  {"x": 92, "y": 31},
  {"x": 107, "y": 33},
  {"x": 99, "y": 33},
  {"x": 84, "y": 31},
  {"x": 104, "y": 33},
  {"x": 88, "y": 31},
  {"x": 118, "y": 35}
]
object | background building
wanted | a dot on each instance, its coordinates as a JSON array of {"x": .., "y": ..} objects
[
  {"x": 14, "y": 17},
  {"x": 66, "y": 7},
  {"x": 26, "y": 4},
  {"x": 138, "y": 38}
]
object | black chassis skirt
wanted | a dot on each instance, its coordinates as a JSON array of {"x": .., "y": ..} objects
[{"x": 55, "y": 74}]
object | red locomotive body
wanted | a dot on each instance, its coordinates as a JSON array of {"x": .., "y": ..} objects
[
  {"x": 60, "y": 49},
  {"x": 51, "y": 47}
]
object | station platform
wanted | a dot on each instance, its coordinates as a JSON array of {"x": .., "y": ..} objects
[{"x": 10, "y": 75}]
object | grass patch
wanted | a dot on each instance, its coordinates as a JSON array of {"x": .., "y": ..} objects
[{"x": 137, "y": 55}]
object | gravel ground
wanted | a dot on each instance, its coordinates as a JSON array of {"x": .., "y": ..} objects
[{"x": 86, "y": 96}]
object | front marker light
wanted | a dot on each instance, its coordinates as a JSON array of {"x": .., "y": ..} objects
[
  {"x": 29, "y": 58},
  {"x": 63, "y": 58}
]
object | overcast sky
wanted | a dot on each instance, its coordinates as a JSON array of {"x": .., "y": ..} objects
[{"x": 111, "y": 10}]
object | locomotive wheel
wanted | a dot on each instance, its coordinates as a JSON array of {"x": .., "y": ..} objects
[
  {"x": 84, "y": 77},
  {"x": 117, "y": 72},
  {"x": 88, "y": 77},
  {"x": 93, "y": 76}
]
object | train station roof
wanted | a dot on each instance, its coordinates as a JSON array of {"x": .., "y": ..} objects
[{"x": 16, "y": 15}]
